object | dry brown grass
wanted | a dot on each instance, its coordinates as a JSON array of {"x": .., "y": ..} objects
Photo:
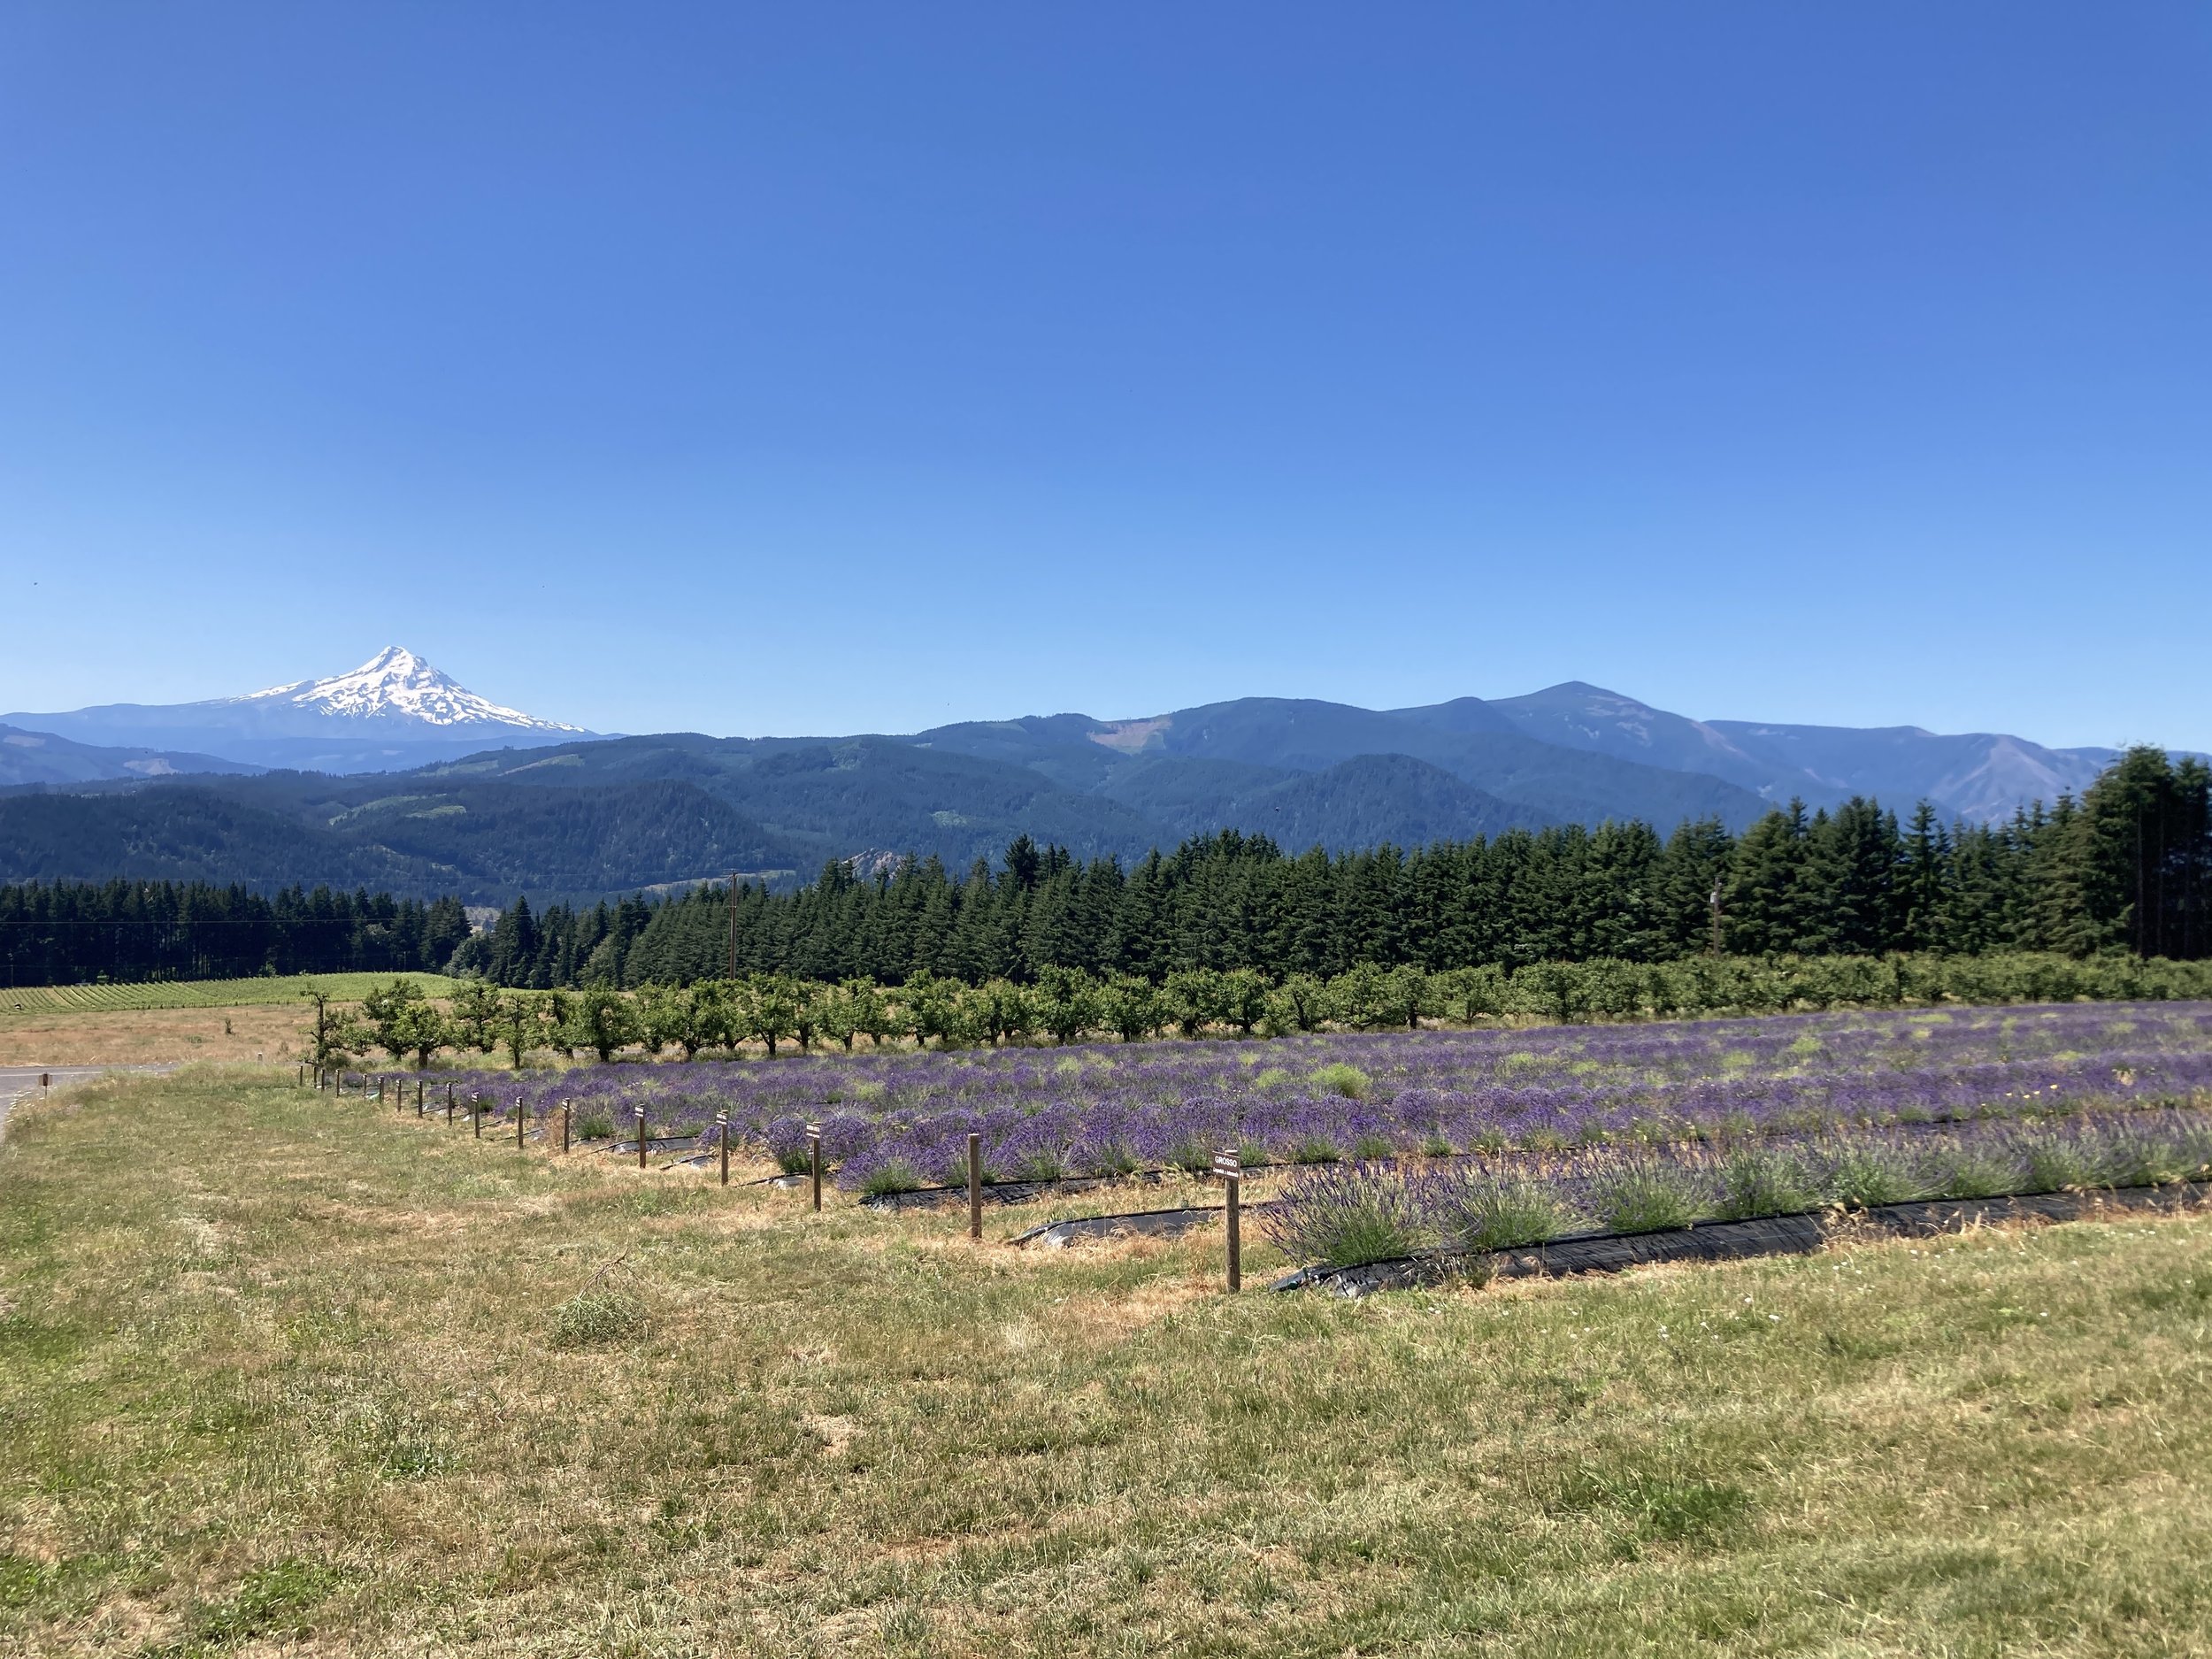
[{"x": 149, "y": 1036}]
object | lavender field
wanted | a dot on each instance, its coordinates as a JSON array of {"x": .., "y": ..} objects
[
  {"x": 1344, "y": 1215},
  {"x": 898, "y": 1120}
]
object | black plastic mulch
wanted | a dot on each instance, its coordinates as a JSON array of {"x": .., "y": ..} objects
[{"x": 1732, "y": 1240}]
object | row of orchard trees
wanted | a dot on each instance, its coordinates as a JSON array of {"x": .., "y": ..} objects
[{"x": 1063, "y": 1005}]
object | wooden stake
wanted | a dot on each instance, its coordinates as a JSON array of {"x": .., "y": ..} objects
[
  {"x": 476, "y": 1114},
  {"x": 563, "y": 1128},
  {"x": 722, "y": 1128},
  {"x": 518, "y": 1116},
  {"x": 640, "y": 1137},
  {"x": 448, "y": 1105},
  {"x": 814, "y": 1160},
  {"x": 975, "y": 1187},
  {"x": 1230, "y": 1167}
]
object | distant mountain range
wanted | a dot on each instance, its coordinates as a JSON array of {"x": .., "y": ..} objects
[
  {"x": 394, "y": 711},
  {"x": 395, "y": 776}
]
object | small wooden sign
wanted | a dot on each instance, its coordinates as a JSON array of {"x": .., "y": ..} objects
[{"x": 1230, "y": 1167}]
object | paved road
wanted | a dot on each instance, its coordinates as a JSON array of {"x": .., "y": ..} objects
[{"x": 21, "y": 1082}]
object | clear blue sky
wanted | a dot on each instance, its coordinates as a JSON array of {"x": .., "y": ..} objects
[{"x": 821, "y": 368}]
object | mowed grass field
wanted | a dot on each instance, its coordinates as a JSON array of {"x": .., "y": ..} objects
[
  {"x": 284, "y": 1374},
  {"x": 210, "y": 1019},
  {"x": 253, "y": 992}
]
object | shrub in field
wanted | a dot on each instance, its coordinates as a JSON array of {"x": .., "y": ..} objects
[
  {"x": 1859, "y": 1175},
  {"x": 1647, "y": 1192},
  {"x": 595, "y": 1126},
  {"x": 1765, "y": 1180},
  {"x": 1477, "y": 1209},
  {"x": 893, "y": 1175},
  {"x": 1346, "y": 1214},
  {"x": 2055, "y": 1161},
  {"x": 1340, "y": 1079},
  {"x": 1974, "y": 1171},
  {"x": 2175, "y": 1148}
]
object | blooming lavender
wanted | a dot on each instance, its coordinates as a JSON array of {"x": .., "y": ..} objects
[
  {"x": 903, "y": 1118},
  {"x": 1350, "y": 1213}
]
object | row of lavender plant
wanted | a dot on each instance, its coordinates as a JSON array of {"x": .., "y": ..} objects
[
  {"x": 1349, "y": 1214},
  {"x": 900, "y": 1120}
]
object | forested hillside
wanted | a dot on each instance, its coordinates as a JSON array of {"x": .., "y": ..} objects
[
  {"x": 131, "y": 931},
  {"x": 2127, "y": 868},
  {"x": 482, "y": 840}
]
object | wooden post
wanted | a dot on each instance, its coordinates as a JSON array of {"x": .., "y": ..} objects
[
  {"x": 448, "y": 1105},
  {"x": 722, "y": 1136},
  {"x": 379, "y": 1091},
  {"x": 640, "y": 1137},
  {"x": 565, "y": 1128},
  {"x": 975, "y": 1187},
  {"x": 417, "y": 1097},
  {"x": 814, "y": 1160},
  {"x": 1231, "y": 1169},
  {"x": 302, "y": 1074},
  {"x": 45, "y": 1079},
  {"x": 476, "y": 1114},
  {"x": 518, "y": 1121}
]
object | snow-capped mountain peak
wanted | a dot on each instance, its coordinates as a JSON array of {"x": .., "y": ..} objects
[{"x": 397, "y": 685}]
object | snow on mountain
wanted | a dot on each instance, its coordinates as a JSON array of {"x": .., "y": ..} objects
[
  {"x": 396, "y": 684},
  {"x": 394, "y": 712}
]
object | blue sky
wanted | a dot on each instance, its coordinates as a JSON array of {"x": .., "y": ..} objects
[{"x": 816, "y": 369}]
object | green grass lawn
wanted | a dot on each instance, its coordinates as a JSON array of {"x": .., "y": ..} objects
[
  {"x": 278, "y": 1373},
  {"x": 345, "y": 988}
]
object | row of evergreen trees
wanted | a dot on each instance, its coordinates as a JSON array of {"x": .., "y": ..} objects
[
  {"x": 71, "y": 933},
  {"x": 2127, "y": 867}
]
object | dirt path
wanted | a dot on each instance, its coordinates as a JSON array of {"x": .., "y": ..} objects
[{"x": 21, "y": 1082}]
